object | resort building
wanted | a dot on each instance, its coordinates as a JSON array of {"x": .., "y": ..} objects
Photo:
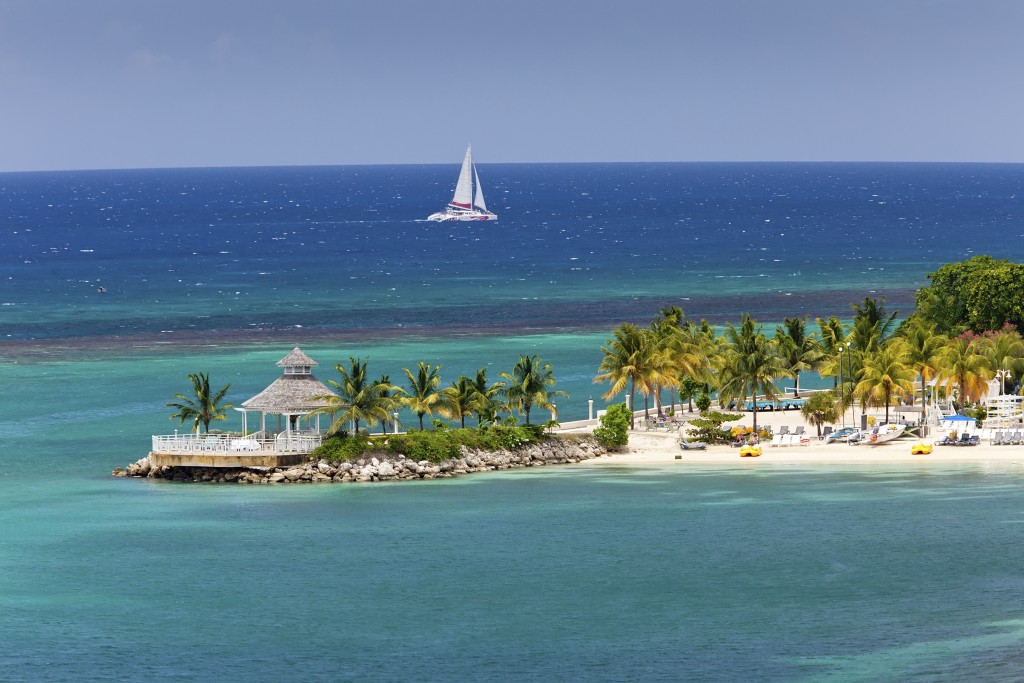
[{"x": 292, "y": 399}]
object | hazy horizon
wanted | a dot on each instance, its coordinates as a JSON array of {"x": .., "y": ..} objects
[{"x": 121, "y": 84}]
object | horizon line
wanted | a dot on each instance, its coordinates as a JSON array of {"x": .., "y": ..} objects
[{"x": 501, "y": 163}]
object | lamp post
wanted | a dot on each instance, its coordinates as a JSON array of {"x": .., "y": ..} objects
[
  {"x": 841, "y": 383},
  {"x": 1002, "y": 374},
  {"x": 849, "y": 369}
]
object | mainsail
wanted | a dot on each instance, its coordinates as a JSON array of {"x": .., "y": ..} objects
[{"x": 463, "y": 198}]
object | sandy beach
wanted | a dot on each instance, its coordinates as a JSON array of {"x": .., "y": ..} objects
[{"x": 659, "y": 447}]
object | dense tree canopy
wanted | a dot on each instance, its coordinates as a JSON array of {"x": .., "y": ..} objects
[{"x": 979, "y": 294}]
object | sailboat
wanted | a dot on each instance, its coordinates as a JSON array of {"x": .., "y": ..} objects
[{"x": 466, "y": 205}]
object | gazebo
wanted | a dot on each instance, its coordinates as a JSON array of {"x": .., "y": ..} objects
[{"x": 292, "y": 397}]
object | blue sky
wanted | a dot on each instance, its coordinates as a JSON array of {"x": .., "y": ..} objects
[{"x": 146, "y": 83}]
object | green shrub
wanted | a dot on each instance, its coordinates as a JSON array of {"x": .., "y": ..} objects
[
  {"x": 708, "y": 427},
  {"x": 341, "y": 447},
  {"x": 613, "y": 431},
  {"x": 703, "y": 402},
  {"x": 431, "y": 445}
]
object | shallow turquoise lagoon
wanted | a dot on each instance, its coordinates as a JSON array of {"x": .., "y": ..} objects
[{"x": 778, "y": 573}]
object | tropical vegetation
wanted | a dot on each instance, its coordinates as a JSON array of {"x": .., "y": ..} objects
[
  {"x": 962, "y": 334},
  {"x": 203, "y": 406}
]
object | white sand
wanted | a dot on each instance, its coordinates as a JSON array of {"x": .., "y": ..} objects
[{"x": 661, "y": 448}]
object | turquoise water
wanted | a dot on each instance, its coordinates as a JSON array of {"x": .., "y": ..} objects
[
  {"x": 904, "y": 572},
  {"x": 768, "y": 573}
]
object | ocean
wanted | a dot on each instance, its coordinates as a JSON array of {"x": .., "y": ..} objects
[{"x": 773, "y": 573}]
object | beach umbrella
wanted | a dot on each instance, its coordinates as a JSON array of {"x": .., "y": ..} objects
[{"x": 959, "y": 420}]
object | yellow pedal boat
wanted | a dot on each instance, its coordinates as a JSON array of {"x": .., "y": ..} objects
[
  {"x": 921, "y": 449},
  {"x": 750, "y": 451}
]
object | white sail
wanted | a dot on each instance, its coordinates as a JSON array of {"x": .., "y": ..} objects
[
  {"x": 479, "y": 201},
  {"x": 461, "y": 207},
  {"x": 463, "y": 198}
]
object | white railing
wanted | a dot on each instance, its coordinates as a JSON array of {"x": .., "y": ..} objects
[{"x": 226, "y": 444}]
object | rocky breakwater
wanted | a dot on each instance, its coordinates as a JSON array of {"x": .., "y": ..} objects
[{"x": 380, "y": 466}]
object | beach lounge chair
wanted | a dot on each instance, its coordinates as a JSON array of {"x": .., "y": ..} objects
[
  {"x": 792, "y": 440},
  {"x": 784, "y": 429},
  {"x": 964, "y": 440},
  {"x": 799, "y": 430},
  {"x": 826, "y": 431},
  {"x": 996, "y": 438},
  {"x": 691, "y": 445}
]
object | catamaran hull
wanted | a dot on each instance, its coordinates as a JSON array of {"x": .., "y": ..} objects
[{"x": 467, "y": 216}]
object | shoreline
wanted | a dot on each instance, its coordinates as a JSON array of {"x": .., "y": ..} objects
[{"x": 658, "y": 449}]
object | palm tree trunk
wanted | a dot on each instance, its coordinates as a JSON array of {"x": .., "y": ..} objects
[
  {"x": 796, "y": 384},
  {"x": 420, "y": 415},
  {"x": 755, "y": 412},
  {"x": 632, "y": 387},
  {"x": 924, "y": 402}
]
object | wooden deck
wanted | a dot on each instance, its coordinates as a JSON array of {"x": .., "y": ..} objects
[{"x": 223, "y": 450}]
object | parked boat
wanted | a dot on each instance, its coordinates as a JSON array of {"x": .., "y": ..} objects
[
  {"x": 879, "y": 435},
  {"x": 468, "y": 203},
  {"x": 841, "y": 434}
]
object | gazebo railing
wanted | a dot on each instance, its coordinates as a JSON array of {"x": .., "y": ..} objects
[{"x": 258, "y": 442}]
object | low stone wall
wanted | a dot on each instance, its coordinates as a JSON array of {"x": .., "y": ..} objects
[{"x": 378, "y": 466}]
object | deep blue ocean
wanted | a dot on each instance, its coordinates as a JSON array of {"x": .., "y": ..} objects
[{"x": 769, "y": 573}]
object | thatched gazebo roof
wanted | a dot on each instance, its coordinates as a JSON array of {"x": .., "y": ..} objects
[
  {"x": 296, "y": 358},
  {"x": 293, "y": 393}
]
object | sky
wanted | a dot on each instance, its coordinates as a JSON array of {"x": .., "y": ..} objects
[{"x": 187, "y": 83}]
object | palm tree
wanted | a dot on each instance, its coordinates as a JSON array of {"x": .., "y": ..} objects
[
  {"x": 832, "y": 336},
  {"x": 462, "y": 399},
  {"x": 751, "y": 364},
  {"x": 488, "y": 393},
  {"x": 423, "y": 396},
  {"x": 530, "y": 384},
  {"x": 390, "y": 394},
  {"x": 201, "y": 407},
  {"x": 871, "y": 327},
  {"x": 885, "y": 374},
  {"x": 964, "y": 367},
  {"x": 1004, "y": 351},
  {"x": 665, "y": 328},
  {"x": 924, "y": 347},
  {"x": 357, "y": 398},
  {"x": 626, "y": 359},
  {"x": 800, "y": 351}
]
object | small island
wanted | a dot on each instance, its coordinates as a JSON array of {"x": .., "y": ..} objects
[{"x": 953, "y": 366}]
